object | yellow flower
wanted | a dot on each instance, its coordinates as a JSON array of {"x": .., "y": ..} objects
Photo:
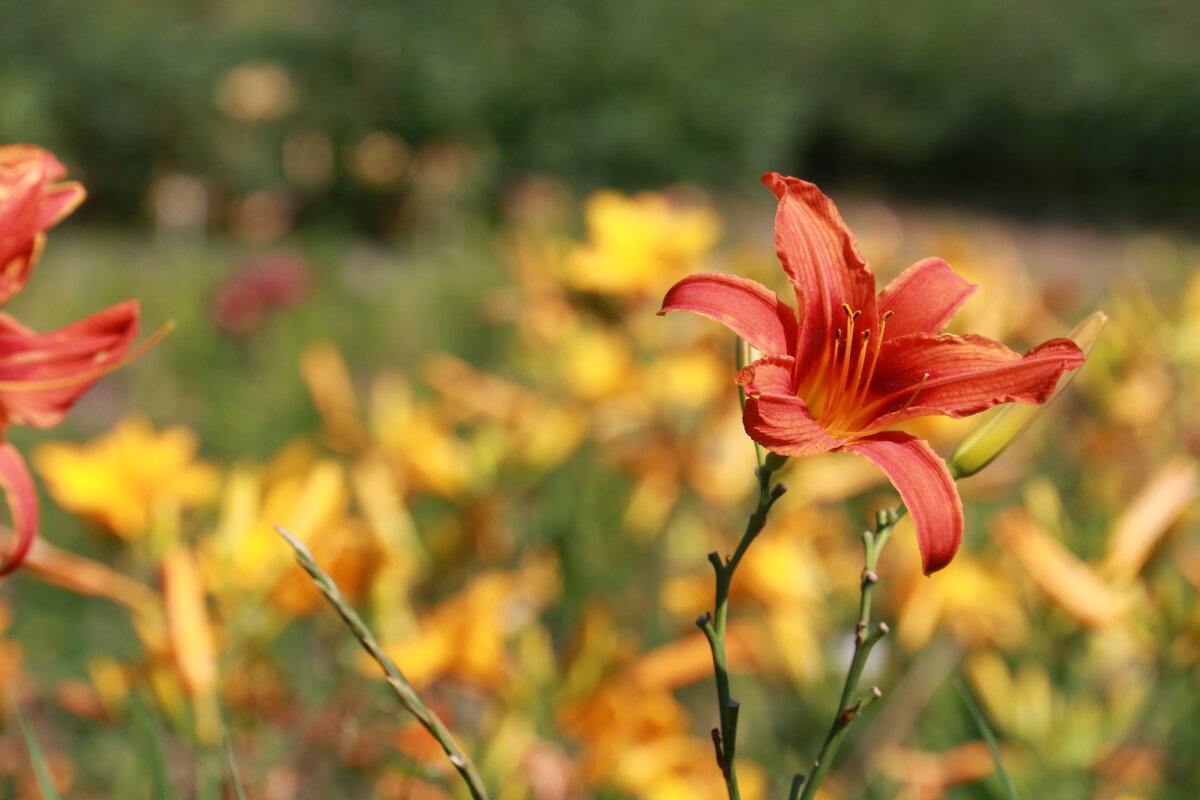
[
  {"x": 977, "y": 603},
  {"x": 466, "y": 636},
  {"x": 639, "y": 243},
  {"x": 1063, "y": 728},
  {"x": 192, "y": 638},
  {"x": 637, "y": 736},
  {"x": 422, "y": 448},
  {"x": 310, "y": 498},
  {"x": 122, "y": 477}
]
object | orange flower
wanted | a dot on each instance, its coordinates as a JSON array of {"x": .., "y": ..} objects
[
  {"x": 851, "y": 365},
  {"x": 42, "y": 375}
]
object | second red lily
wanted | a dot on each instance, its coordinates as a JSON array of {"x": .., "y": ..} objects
[{"x": 42, "y": 375}]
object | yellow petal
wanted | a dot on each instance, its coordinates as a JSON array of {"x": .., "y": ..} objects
[
  {"x": 192, "y": 637},
  {"x": 328, "y": 381},
  {"x": 1149, "y": 516},
  {"x": 1058, "y": 572}
]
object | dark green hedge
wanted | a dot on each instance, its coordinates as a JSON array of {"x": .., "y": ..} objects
[{"x": 1090, "y": 104}]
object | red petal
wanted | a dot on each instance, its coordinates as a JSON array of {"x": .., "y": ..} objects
[
  {"x": 748, "y": 308},
  {"x": 967, "y": 374},
  {"x": 20, "y": 202},
  {"x": 782, "y": 424},
  {"x": 22, "y": 499},
  {"x": 819, "y": 254},
  {"x": 41, "y": 375},
  {"x": 923, "y": 298},
  {"x": 59, "y": 201},
  {"x": 771, "y": 375},
  {"x": 925, "y": 485},
  {"x": 17, "y": 159}
]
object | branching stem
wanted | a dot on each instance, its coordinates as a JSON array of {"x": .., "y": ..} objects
[
  {"x": 850, "y": 706},
  {"x": 714, "y": 625}
]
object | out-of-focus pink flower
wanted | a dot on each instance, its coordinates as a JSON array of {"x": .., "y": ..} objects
[
  {"x": 42, "y": 375},
  {"x": 273, "y": 282}
]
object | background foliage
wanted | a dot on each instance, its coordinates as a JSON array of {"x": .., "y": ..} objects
[{"x": 1064, "y": 106}]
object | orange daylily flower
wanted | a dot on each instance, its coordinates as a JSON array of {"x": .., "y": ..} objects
[
  {"x": 853, "y": 364},
  {"x": 42, "y": 375}
]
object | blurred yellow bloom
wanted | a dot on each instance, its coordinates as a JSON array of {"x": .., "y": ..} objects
[
  {"x": 192, "y": 639},
  {"x": 637, "y": 738},
  {"x": 595, "y": 363},
  {"x": 1067, "y": 580},
  {"x": 976, "y": 602},
  {"x": 123, "y": 477},
  {"x": 687, "y": 379},
  {"x": 309, "y": 497},
  {"x": 638, "y": 244},
  {"x": 1062, "y": 729},
  {"x": 928, "y": 776},
  {"x": 466, "y": 636},
  {"x": 784, "y": 579},
  {"x": 328, "y": 381},
  {"x": 1149, "y": 516},
  {"x": 539, "y": 432},
  {"x": 417, "y": 442}
]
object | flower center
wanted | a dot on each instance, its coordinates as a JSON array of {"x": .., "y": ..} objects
[{"x": 847, "y": 372}]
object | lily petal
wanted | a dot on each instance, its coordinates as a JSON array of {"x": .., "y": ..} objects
[
  {"x": 20, "y": 209},
  {"x": 748, "y": 308},
  {"x": 925, "y": 485},
  {"x": 22, "y": 500},
  {"x": 966, "y": 375},
  {"x": 924, "y": 298},
  {"x": 770, "y": 375},
  {"x": 42, "y": 375},
  {"x": 782, "y": 424},
  {"x": 59, "y": 201},
  {"x": 821, "y": 257},
  {"x": 20, "y": 159}
]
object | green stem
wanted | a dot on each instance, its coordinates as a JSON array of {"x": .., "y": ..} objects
[
  {"x": 850, "y": 705},
  {"x": 714, "y": 625},
  {"x": 400, "y": 686},
  {"x": 36, "y": 758},
  {"x": 985, "y": 730}
]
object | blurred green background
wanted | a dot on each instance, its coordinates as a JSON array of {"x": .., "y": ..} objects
[{"x": 1071, "y": 106}]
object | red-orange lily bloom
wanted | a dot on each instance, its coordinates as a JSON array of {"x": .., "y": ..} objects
[
  {"x": 854, "y": 364},
  {"x": 42, "y": 375}
]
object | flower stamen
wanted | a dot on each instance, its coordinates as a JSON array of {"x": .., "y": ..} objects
[
  {"x": 851, "y": 316},
  {"x": 865, "y": 386},
  {"x": 913, "y": 396}
]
